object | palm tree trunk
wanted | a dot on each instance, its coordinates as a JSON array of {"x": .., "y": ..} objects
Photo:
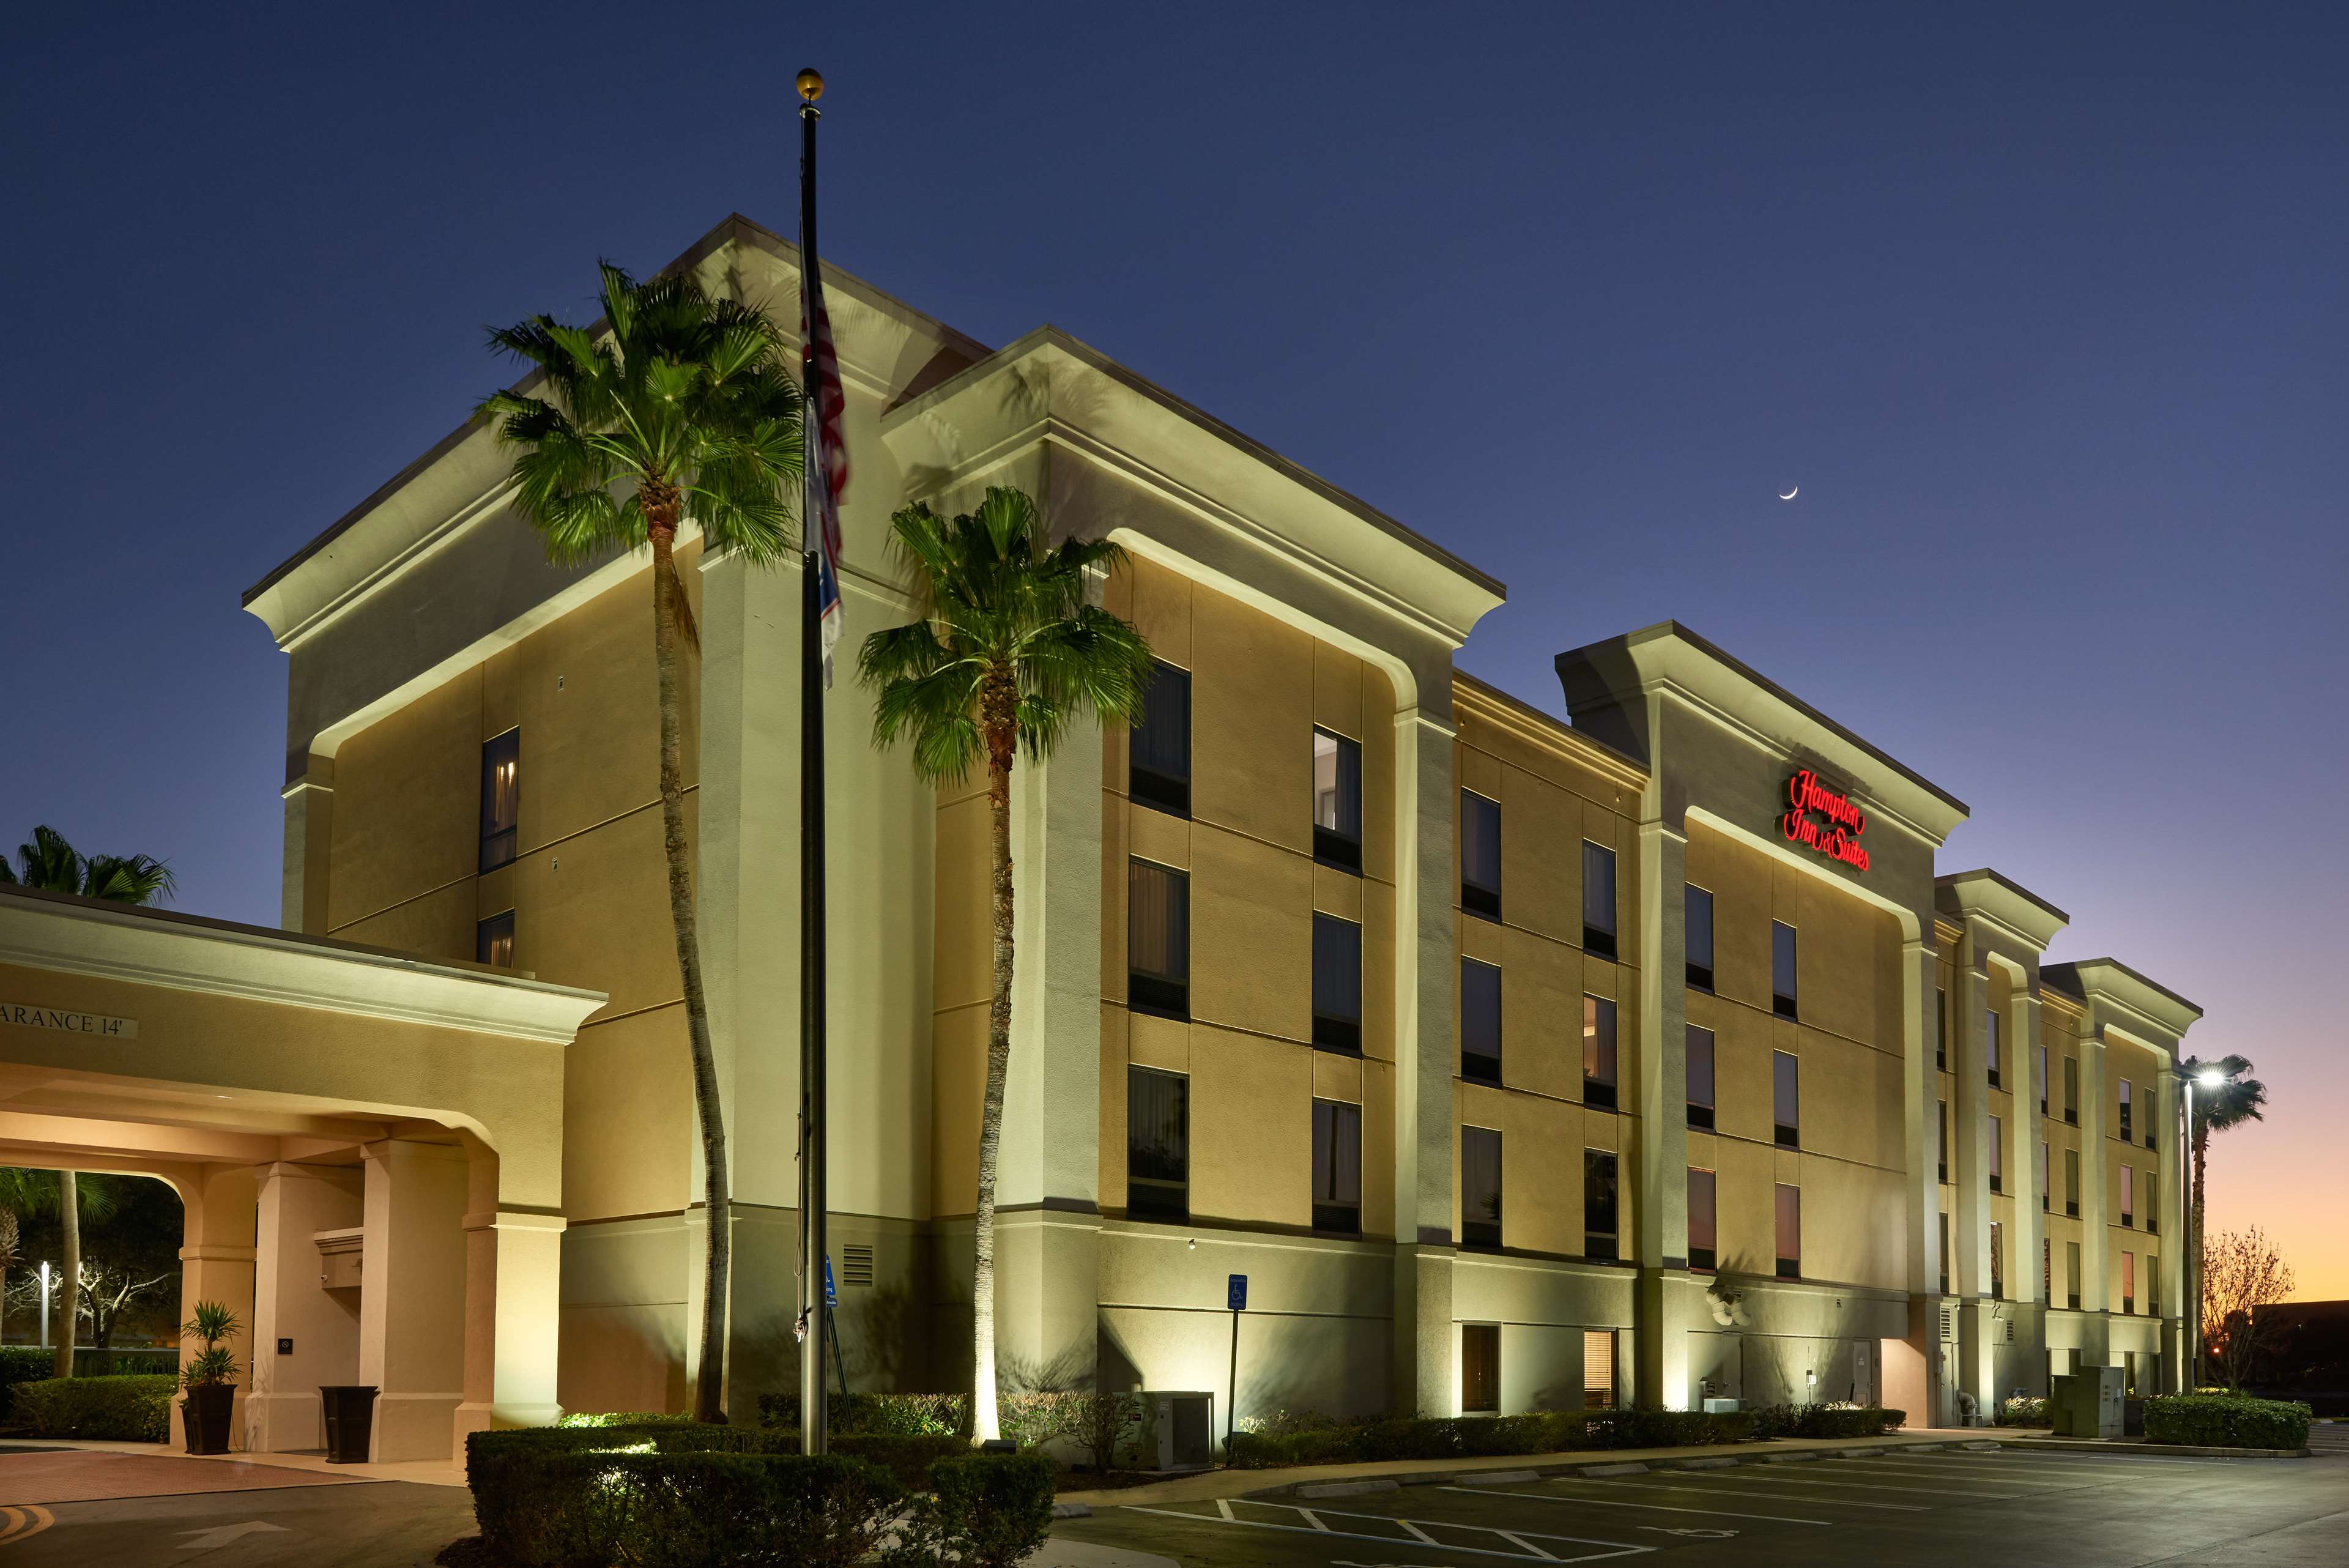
[
  {"x": 709, "y": 1381},
  {"x": 2194, "y": 1223},
  {"x": 9, "y": 1235},
  {"x": 69, "y": 1221},
  {"x": 998, "y": 705}
]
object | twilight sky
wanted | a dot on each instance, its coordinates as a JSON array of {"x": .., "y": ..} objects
[{"x": 2047, "y": 318}]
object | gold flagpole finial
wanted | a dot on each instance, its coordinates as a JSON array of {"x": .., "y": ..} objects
[{"x": 810, "y": 84}]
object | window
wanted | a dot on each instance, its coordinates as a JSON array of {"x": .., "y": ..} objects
[
  {"x": 2046, "y": 1269},
  {"x": 2129, "y": 1196},
  {"x": 1337, "y": 800},
  {"x": 1337, "y": 984},
  {"x": 2149, "y": 1131},
  {"x": 2072, "y": 1182},
  {"x": 1599, "y": 1369},
  {"x": 1480, "y": 1367},
  {"x": 2044, "y": 1187},
  {"x": 2128, "y": 1281},
  {"x": 1480, "y": 1022},
  {"x": 501, "y": 799},
  {"x": 1700, "y": 1076},
  {"x": 1790, "y": 1232},
  {"x": 2071, "y": 1090},
  {"x": 1599, "y": 1204},
  {"x": 1480, "y": 1186},
  {"x": 2124, "y": 1110},
  {"x": 1157, "y": 939},
  {"x": 494, "y": 941},
  {"x": 1599, "y": 1053},
  {"x": 1942, "y": 1158},
  {"x": 1597, "y": 899},
  {"x": 1696, "y": 925},
  {"x": 1157, "y": 1145},
  {"x": 1338, "y": 1167},
  {"x": 1989, "y": 1045},
  {"x": 1158, "y": 755},
  {"x": 2152, "y": 1286},
  {"x": 1941, "y": 1030},
  {"x": 1787, "y": 1098},
  {"x": 1701, "y": 1224},
  {"x": 2152, "y": 1204},
  {"x": 1480, "y": 855},
  {"x": 1997, "y": 1156},
  {"x": 1781, "y": 970},
  {"x": 1944, "y": 1227},
  {"x": 2040, "y": 1073},
  {"x": 2072, "y": 1274},
  {"x": 1997, "y": 1260}
]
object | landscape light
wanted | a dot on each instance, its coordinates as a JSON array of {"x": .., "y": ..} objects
[{"x": 2210, "y": 1078}]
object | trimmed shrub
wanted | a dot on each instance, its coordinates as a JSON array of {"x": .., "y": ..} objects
[
  {"x": 130, "y": 1409},
  {"x": 1472, "y": 1436},
  {"x": 984, "y": 1510},
  {"x": 2226, "y": 1421},
  {"x": 22, "y": 1364},
  {"x": 2022, "y": 1411},
  {"x": 1825, "y": 1421},
  {"x": 908, "y": 1459},
  {"x": 622, "y": 1419}
]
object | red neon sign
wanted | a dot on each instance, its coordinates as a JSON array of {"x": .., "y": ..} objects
[{"x": 1837, "y": 837}]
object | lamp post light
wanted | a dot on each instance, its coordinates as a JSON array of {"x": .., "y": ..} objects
[{"x": 44, "y": 1306}]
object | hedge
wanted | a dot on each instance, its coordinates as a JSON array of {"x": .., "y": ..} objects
[
  {"x": 1825, "y": 1421},
  {"x": 1469, "y": 1437},
  {"x": 2226, "y": 1421},
  {"x": 1025, "y": 1418},
  {"x": 132, "y": 1409},
  {"x": 22, "y": 1364},
  {"x": 679, "y": 1495}
]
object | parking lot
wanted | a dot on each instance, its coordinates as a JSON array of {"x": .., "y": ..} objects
[{"x": 1957, "y": 1507}]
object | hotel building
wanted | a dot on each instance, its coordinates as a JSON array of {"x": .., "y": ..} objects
[{"x": 1649, "y": 1056}]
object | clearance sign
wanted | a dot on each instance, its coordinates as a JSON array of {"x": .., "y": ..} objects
[{"x": 1818, "y": 818}]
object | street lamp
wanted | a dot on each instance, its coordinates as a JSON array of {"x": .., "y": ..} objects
[{"x": 2210, "y": 1080}]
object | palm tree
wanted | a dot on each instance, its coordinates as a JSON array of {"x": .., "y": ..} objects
[
  {"x": 676, "y": 407},
  {"x": 1008, "y": 651},
  {"x": 2235, "y": 1101},
  {"x": 51, "y": 864},
  {"x": 29, "y": 1194}
]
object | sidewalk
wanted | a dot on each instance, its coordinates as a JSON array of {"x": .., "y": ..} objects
[{"x": 426, "y": 1473}]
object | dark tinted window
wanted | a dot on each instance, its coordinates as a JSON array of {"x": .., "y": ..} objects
[
  {"x": 1781, "y": 970},
  {"x": 1158, "y": 758},
  {"x": 1598, "y": 1052},
  {"x": 1697, "y": 937},
  {"x": 1701, "y": 1228},
  {"x": 1337, "y": 1166},
  {"x": 1480, "y": 855},
  {"x": 1157, "y": 1145},
  {"x": 494, "y": 941},
  {"x": 1599, "y": 1218},
  {"x": 501, "y": 799},
  {"x": 1790, "y": 1232},
  {"x": 1480, "y": 1367},
  {"x": 1787, "y": 1098},
  {"x": 1597, "y": 899},
  {"x": 1337, "y": 800},
  {"x": 1700, "y": 1076},
  {"x": 1337, "y": 983},
  {"x": 1480, "y": 1021},
  {"x": 1480, "y": 1186},
  {"x": 1157, "y": 939}
]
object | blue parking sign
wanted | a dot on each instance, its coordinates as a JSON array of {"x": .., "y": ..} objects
[
  {"x": 830, "y": 1296},
  {"x": 1239, "y": 1292}
]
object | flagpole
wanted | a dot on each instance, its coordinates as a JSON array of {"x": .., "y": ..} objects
[{"x": 814, "y": 1194}]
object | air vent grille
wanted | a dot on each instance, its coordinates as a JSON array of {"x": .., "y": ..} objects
[{"x": 857, "y": 1265}]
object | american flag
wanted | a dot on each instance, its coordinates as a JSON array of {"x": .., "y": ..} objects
[{"x": 827, "y": 453}]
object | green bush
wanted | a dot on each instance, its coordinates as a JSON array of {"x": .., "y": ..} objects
[
  {"x": 984, "y": 1510},
  {"x": 2022, "y": 1411},
  {"x": 2226, "y": 1421},
  {"x": 132, "y": 1409},
  {"x": 1825, "y": 1421},
  {"x": 906, "y": 1459},
  {"x": 1302, "y": 1442},
  {"x": 22, "y": 1364},
  {"x": 621, "y": 1418}
]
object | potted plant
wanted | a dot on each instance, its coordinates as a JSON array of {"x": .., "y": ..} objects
[{"x": 209, "y": 1377}]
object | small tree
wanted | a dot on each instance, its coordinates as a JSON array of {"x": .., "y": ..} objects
[
  {"x": 2243, "y": 1271},
  {"x": 110, "y": 1290}
]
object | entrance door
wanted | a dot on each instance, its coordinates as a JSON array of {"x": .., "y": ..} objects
[{"x": 1865, "y": 1356}]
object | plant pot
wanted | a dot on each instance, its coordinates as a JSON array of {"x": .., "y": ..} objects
[
  {"x": 205, "y": 1417},
  {"x": 349, "y": 1411}
]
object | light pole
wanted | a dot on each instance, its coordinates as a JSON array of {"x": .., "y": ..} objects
[
  {"x": 44, "y": 1306},
  {"x": 2208, "y": 1079}
]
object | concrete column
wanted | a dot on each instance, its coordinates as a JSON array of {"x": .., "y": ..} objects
[
  {"x": 513, "y": 1293},
  {"x": 1048, "y": 1184},
  {"x": 2095, "y": 1116},
  {"x": 1969, "y": 1219},
  {"x": 1920, "y": 1197},
  {"x": 309, "y": 796},
  {"x": 412, "y": 1296},
  {"x": 216, "y": 1260},
  {"x": 1660, "y": 1176},
  {"x": 2022, "y": 1025},
  {"x": 292, "y": 1302},
  {"x": 1426, "y": 1338}
]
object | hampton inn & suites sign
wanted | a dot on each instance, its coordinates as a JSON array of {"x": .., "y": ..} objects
[
  {"x": 1818, "y": 818},
  {"x": 68, "y": 1020}
]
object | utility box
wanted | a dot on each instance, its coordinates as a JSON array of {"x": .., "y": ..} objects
[
  {"x": 2086, "y": 1403},
  {"x": 1721, "y": 1406},
  {"x": 1178, "y": 1430}
]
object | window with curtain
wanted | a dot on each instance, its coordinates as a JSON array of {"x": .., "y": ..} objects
[
  {"x": 1598, "y": 1205},
  {"x": 1157, "y": 1145},
  {"x": 1787, "y": 1098},
  {"x": 494, "y": 941},
  {"x": 1997, "y": 1260},
  {"x": 1337, "y": 800},
  {"x": 1480, "y": 1186},
  {"x": 1158, "y": 750},
  {"x": 1480, "y": 855},
  {"x": 1997, "y": 1156},
  {"x": 501, "y": 799},
  {"x": 1783, "y": 969},
  {"x": 1480, "y": 1021},
  {"x": 1696, "y": 935},
  {"x": 1599, "y": 1369},
  {"x": 1700, "y": 1076},
  {"x": 1597, "y": 899},
  {"x": 1337, "y": 984},
  {"x": 1700, "y": 1224},
  {"x": 1790, "y": 1231},
  {"x": 1157, "y": 939},
  {"x": 1336, "y": 1166},
  {"x": 1599, "y": 1053}
]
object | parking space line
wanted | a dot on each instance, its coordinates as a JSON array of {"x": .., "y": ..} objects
[
  {"x": 1618, "y": 1503},
  {"x": 1731, "y": 1492},
  {"x": 2001, "y": 1478},
  {"x": 1811, "y": 1478},
  {"x": 2074, "y": 1456},
  {"x": 1527, "y": 1551}
]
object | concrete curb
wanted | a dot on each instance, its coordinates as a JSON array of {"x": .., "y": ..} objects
[
  {"x": 2107, "y": 1446},
  {"x": 1582, "y": 1468}
]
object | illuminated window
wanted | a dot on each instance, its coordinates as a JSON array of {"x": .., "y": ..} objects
[
  {"x": 1480, "y": 1186},
  {"x": 1790, "y": 1232},
  {"x": 1337, "y": 800},
  {"x": 1787, "y": 1098},
  {"x": 1599, "y": 1218},
  {"x": 501, "y": 799},
  {"x": 494, "y": 941},
  {"x": 1480, "y": 855},
  {"x": 1597, "y": 899},
  {"x": 1701, "y": 1224},
  {"x": 1336, "y": 1166},
  {"x": 1337, "y": 984},
  {"x": 1158, "y": 747},
  {"x": 1480, "y": 1367},
  {"x": 1599, "y": 1053},
  {"x": 1700, "y": 1076},
  {"x": 1781, "y": 970},
  {"x": 1480, "y": 1022},
  {"x": 1697, "y": 936},
  {"x": 1157, "y": 939},
  {"x": 1599, "y": 1369},
  {"x": 1157, "y": 1145}
]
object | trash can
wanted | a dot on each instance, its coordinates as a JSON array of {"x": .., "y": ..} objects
[{"x": 350, "y": 1421}]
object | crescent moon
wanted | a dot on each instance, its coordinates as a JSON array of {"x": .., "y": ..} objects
[{"x": 1792, "y": 493}]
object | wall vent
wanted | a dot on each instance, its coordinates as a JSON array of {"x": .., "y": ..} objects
[
  {"x": 855, "y": 1265},
  {"x": 1948, "y": 1325}
]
